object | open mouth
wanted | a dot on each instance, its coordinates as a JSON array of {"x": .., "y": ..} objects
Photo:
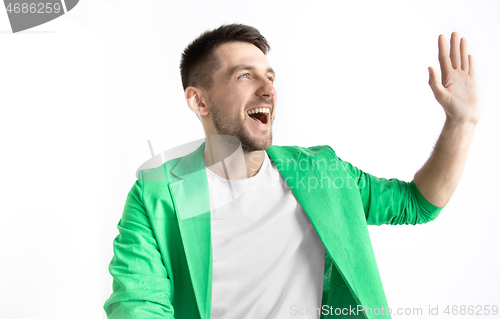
[{"x": 261, "y": 117}]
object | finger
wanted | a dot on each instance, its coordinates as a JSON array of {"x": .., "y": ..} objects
[
  {"x": 471, "y": 67},
  {"x": 454, "y": 51},
  {"x": 444, "y": 59},
  {"x": 464, "y": 59},
  {"x": 435, "y": 84}
]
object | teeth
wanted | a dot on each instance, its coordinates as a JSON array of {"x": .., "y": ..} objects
[{"x": 259, "y": 110}]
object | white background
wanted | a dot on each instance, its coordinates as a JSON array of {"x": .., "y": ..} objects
[{"x": 81, "y": 95}]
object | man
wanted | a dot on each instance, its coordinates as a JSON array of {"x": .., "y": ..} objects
[{"x": 209, "y": 235}]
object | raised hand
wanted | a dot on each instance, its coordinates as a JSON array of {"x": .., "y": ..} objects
[{"x": 457, "y": 92}]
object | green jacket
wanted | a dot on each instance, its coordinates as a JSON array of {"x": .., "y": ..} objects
[{"x": 162, "y": 263}]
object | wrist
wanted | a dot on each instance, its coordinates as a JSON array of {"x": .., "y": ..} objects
[{"x": 465, "y": 123}]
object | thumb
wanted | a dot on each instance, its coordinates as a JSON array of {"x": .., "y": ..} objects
[{"x": 436, "y": 86}]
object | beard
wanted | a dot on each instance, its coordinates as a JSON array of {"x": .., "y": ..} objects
[{"x": 234, "y": 127}]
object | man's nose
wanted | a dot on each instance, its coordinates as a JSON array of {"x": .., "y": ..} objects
[{"x": 266, "y": 89}]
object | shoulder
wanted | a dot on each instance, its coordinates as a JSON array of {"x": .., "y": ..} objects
[
  {"x": 158, "y": 174},
  {"x": 315, "y": 151}
]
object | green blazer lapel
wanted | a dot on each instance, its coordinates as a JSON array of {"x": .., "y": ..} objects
[
  {"x": 300, "y": 173},
  {"x": 190, "y": 192}
]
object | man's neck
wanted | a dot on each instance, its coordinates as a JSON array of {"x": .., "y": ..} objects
[{"x": 232, "y": 163}]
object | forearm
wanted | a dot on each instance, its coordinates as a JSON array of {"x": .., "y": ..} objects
[{"x": 438, "y": 178}]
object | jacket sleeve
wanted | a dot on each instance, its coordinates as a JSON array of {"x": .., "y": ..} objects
[
  {"x": 391, "y": 201},
  {"x": 141, "y": 287}
]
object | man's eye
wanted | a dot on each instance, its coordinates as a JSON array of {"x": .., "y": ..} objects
[
  {"x": 246, "y": 74},
  {"x": 271, "y": 78}
]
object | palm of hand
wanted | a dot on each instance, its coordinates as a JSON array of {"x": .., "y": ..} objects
[{"x": 457, "y": 93}]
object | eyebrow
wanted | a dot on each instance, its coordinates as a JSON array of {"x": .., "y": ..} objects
[{"x": 240, "y": 67}]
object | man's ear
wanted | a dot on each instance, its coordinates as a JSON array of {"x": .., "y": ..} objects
[{"x": 194, "y": 100}]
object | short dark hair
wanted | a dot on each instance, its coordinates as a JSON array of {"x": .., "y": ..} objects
[{"x": 199, "y": 61}]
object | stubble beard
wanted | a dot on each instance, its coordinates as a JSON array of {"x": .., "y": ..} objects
[{"x": 235, "y": 127}]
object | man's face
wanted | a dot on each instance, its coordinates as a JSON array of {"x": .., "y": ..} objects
[{"x": 243, "y": 83}]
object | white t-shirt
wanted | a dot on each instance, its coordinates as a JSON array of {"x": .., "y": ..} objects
[{"x": 268, "y": 260}]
